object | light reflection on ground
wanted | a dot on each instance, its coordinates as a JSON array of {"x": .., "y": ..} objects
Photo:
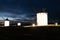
[{"x": 41, "y": 26}]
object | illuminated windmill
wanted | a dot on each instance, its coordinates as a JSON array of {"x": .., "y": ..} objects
[
  {"x": 42, "y": 17},
  {"x": 6, "y": 22}
]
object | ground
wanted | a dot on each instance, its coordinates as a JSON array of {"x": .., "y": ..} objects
[{"x": 43, "y": 33}]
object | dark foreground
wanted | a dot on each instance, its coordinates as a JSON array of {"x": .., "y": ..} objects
[{"x": 42, "y": 33}]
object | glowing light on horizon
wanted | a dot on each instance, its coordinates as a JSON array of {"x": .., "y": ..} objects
[
  {"x": 33, "y": 25},
  {"x": 19, "y": 24},
  {"x": 56, "y": 23}
]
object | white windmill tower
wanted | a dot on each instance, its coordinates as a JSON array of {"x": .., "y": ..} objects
[
  {"x": 42, "y": 18},
  {"x": 6, "y": 22}
]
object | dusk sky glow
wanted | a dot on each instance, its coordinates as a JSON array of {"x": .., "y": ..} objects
[{"x": 22, "y": 9}]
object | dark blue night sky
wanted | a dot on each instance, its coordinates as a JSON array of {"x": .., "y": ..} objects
[{"x": 23, "y": 9}]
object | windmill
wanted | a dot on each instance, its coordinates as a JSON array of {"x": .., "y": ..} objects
[
  {"x": 6, "y": 22},
  {"x": 41, "y": 16}
]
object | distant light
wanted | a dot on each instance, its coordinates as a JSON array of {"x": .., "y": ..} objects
[
  {"x": 6, "y": 23},
  {"x": 19, "y": 24},
  {"x": 33, "y": 25},
  {"x": 56, "y": 23}
]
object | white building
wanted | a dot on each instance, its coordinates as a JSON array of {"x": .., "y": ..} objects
[
  {"x": 6, "y": 22},
  {"x": 42, "y": 19}
]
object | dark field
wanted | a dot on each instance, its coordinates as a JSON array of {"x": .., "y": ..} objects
[{"x": 42, "y": 33}]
